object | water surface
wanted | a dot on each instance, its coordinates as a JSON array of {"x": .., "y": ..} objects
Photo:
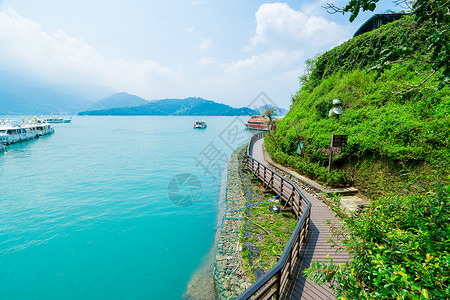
[{"x": 85, "y": 212}]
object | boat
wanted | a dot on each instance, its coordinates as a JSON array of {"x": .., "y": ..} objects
[
  {"x": 200, "y": 124},
  {"x": 54, "y": 120},
  {"x": 11, "y": 132},
  {"x": 256, "y": 123},
  {"x": 57, "y": 120},
  {"x": 40, "y": 126}
]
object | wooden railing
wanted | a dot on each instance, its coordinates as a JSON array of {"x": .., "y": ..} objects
[{"x": 273, "y": 283}]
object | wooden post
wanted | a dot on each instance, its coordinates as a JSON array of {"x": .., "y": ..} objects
[
  {"x": 291, "y": 261},
  {"x": 281, "y": 188},
  {"x": 278, "y": 285},
  {"x": 331, "y": 154}
]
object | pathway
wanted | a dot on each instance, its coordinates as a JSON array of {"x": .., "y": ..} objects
[{"x": 316, "y": 247}]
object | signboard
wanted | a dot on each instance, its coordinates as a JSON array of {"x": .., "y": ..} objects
[{"x": 339, "y": 140}]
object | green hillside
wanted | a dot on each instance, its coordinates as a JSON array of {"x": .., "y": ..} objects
[
  {"x": 398, "y": 154},
  {"x": 396, "y": 133}
]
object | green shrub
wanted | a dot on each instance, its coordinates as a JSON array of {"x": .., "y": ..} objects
[
  {"x": 400, "y": 249},
  {"x": 309, "y": 169}
]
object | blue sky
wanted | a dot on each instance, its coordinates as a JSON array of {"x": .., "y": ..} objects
[{"x": 227, "y": 51}]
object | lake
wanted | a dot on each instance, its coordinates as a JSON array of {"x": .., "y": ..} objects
[{"x": 112, "y": 207}]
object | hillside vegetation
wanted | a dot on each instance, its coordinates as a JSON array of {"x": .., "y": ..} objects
[
  {"x": 395, "y": 132},
  {"x": 398, "y": 154}
]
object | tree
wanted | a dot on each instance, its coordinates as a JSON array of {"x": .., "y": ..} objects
[
  {"x": 270, "y": 112},
  {"x": 434, "y": 13},
  {"x": 309, "y": 67}
]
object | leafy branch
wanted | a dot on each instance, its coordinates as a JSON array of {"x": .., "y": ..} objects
[{"x": 434, "y": 13}]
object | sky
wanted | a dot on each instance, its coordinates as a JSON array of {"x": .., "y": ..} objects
[{"x": 228, "y": 51}]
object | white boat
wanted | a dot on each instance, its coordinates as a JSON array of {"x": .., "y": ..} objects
[
  {"x": 40, "y": 126},
  {"x": 57, "y": 120},
  {"x": 11, "y": 132},
  {"x": 200, "y": 124},
  {"x": 54, "y": 120}
]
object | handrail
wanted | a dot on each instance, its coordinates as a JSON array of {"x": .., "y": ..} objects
[{"x": 273, "y": 283}]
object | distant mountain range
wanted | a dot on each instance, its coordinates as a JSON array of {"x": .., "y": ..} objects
[
  {"x": 170, "y": 107},
  {"x": 20, "y": 95},
  {"x": 118, "y": 100}
]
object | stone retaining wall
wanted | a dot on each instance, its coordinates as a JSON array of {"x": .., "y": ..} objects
[{"x": 228, "y": 271}]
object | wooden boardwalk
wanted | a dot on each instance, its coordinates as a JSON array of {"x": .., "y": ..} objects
[{"x": 317, "y": 246}]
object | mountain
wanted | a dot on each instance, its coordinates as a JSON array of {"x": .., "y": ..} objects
[
  {"x": 279, "y": 111},
  {"x": 181, "y": 107},
  {"x": 118, "y": 100},
  {"x": 21, "y": 95}
]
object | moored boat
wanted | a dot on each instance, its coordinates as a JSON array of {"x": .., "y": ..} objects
[
  {"x": 40, "y": 126},
  {"x": 256, "y": 123},
  {"x": 11, "y": 132},
  {"x": 200, "y": 124}
]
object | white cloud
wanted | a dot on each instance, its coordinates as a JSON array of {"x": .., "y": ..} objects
[
  {"x": 284, "y": 38},
  {"x": 277, "y": 23},
  {"x": 205, "y": 45},
  {"x": 273, "y": 71},
  {"x": 265, "y": 62},
  {"x": 60, "y": 57},
  {"x": 207, "y": 61}
]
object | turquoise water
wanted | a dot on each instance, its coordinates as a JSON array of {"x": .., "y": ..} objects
[{"x": 85, "y": 212}]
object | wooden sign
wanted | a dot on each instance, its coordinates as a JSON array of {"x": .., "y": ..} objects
[
  {"x": 327, "y": 151},
  {"x": 337, "y": 150},
  {"x": 339, "y": 140}
]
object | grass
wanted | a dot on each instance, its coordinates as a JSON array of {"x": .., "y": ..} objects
[{"x": 266, "y": 230}]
